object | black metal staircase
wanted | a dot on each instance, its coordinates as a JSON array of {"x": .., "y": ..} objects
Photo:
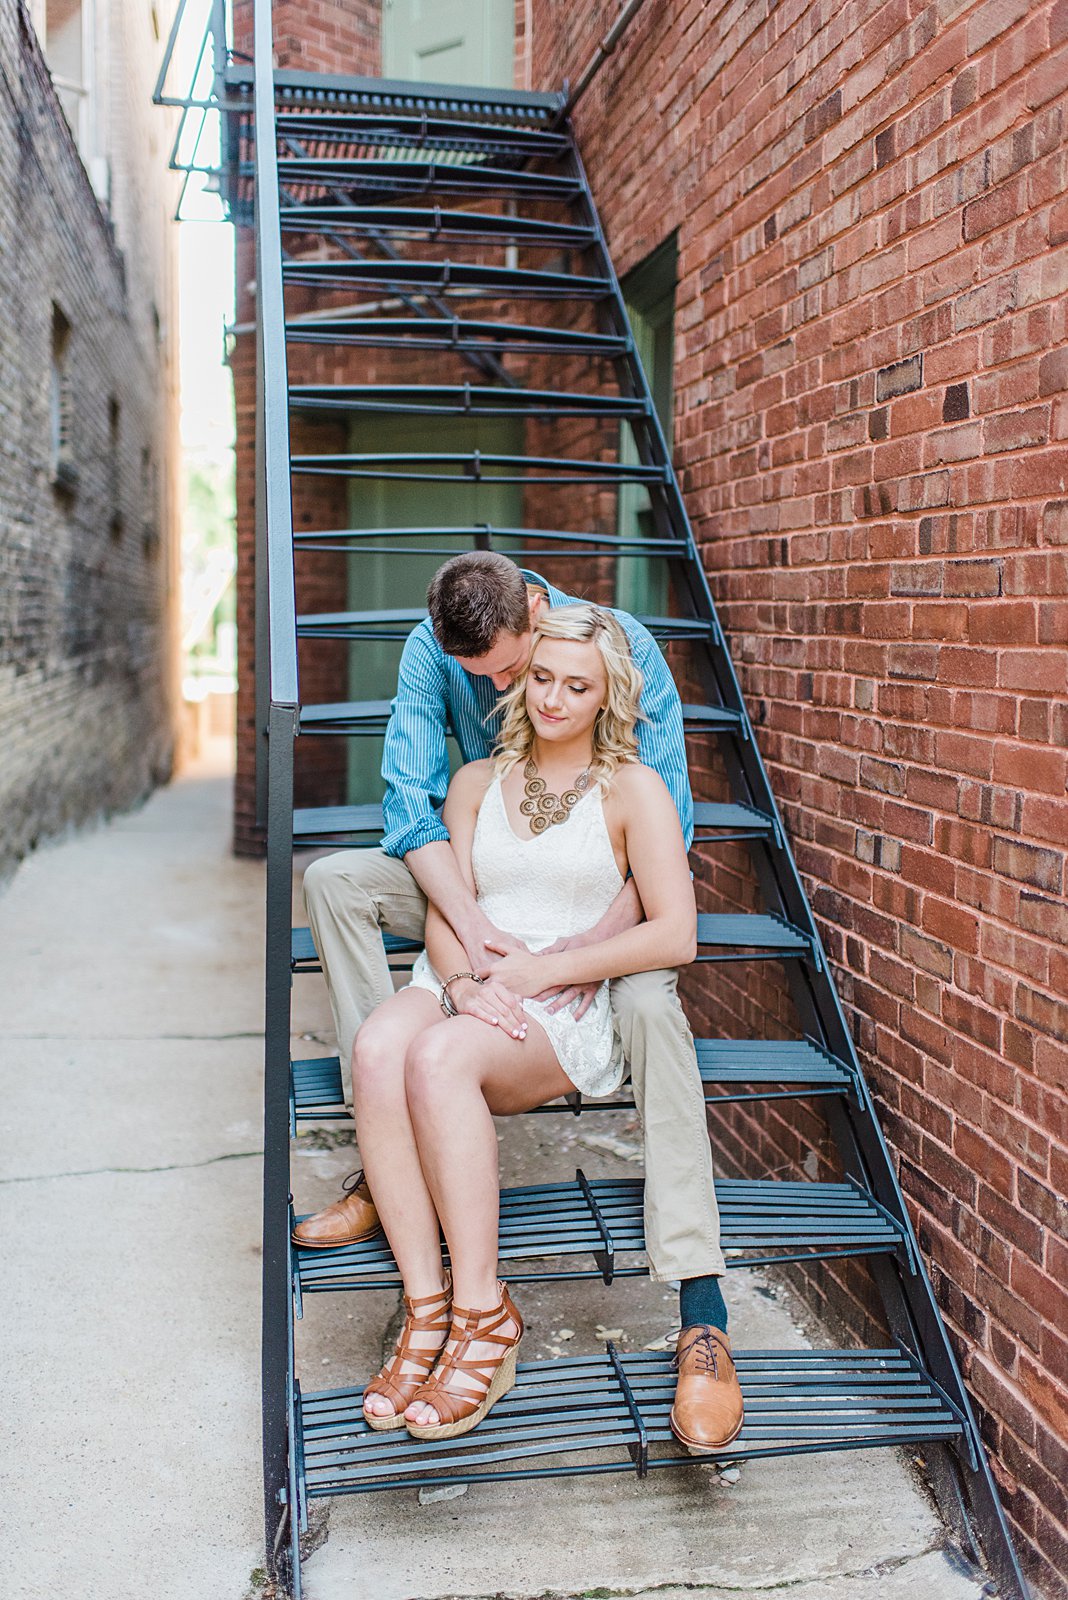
[{"x": 431, "y": 220}]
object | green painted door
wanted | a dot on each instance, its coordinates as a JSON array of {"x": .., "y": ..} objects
[
  {"x": 449, "y": 41},
  {"x": 386, "y": 582},
  {"x": 641, "y": 581}
]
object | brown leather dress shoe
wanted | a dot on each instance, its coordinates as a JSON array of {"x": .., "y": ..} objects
[
  {"x": 708, "y": 1411},
  {"x": 347, "y": 1221}
]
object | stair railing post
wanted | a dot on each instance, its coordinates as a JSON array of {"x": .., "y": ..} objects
[{"x": 277, "y": 720}]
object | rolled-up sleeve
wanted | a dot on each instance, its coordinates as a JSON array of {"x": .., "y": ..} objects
[
  {"x": 415, "y": 762},
  {"x": 662, "y": 739}
]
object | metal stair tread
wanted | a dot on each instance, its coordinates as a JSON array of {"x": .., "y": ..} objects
[
  {"x": 440, "y": 224},
  {"x": 345, "y": 716},
  {"x": 402, "y": 176},
  {"x": 305, "y": 958},
  {"x": 346, "y": 540},
  {"x": 748, "y": 930},
  {"x": 312, "y": 823},
  {"x": 465, "y": 466},
  {"x": 797, "y": 1401},
  {"x": 318, "y": 1093},
  {"x": 762, "y": 1220},
  {"x": 364, "y": 127},
  {"x": 440, "y": 276},
  {"x": 398, "y": 622},
  {"x": 452, "y": 333},
  {"x": 465, "y": 399}
]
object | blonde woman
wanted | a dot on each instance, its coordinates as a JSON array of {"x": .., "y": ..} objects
[{"x": 545, "y": 833}]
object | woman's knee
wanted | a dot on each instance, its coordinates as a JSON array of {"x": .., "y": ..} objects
[
  {"x": 378, "y": 1059},
  {"x": 432, "y": 1068}
]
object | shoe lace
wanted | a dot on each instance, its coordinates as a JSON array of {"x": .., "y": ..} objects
[
  {"x": 352, "y": 1182},
  {"x": 705, "y": 1344}
]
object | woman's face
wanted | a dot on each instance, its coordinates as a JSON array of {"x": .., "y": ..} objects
[{"x": 566, "y": 687}]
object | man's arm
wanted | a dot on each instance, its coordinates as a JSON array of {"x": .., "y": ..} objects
[
  {"x": 415, "y": 765},
  {"x": 661, "y": 736},
  {"x": 435, "y": 870}
]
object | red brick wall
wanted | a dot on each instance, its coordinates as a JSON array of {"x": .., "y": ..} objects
[{"x": 872, "y": 206}]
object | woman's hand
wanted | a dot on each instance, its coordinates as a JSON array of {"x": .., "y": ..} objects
[
  {"x": 524, "y": 972},
  {"x": 557, "y": 998},
  {"x": 491, "y": 1002}
]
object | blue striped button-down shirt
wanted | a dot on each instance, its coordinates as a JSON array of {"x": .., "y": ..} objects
[{"x": 435, "y": 694}]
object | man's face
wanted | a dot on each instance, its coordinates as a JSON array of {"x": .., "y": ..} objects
[{"x": 504, "y": 660}]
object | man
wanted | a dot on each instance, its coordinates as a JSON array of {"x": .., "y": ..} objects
[{"x": 455, "y": 665}]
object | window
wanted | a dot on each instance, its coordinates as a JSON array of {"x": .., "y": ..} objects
[
  {"x": 67, "y": 31},
  {"x": 64, "y": 471},
  {"x": 114, "y": 467},
  {"x": 649, "y": 291}
]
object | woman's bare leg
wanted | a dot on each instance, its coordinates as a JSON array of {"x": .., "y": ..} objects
[
  {"x": 388, "y": 1149},
  {"x": 458, "y": 1075}
]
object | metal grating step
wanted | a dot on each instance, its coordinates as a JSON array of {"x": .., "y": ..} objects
[
  {"x": 416, "y": 175},
  {"x": 601, "y": 1413},
  {"x": 510, "y": 541},
  {"x": 398, "y": 624},
  {"x": 452, "y": 333},
  {"x": 336, "y": 825},
  {"x": 731, "y": 937},
  {"x": 743, "y": 936},
  {"x": 473, "y": 466},
  {"x": 346, "y": 717},
  {"x": 471, "y": 278},
  {"x": 362, "y": 825},
  {"x": 761, "y": 1222},
  {"x": 304, "y": 957},
  {"x": 468, "y": 226},
  {"x": 799, "y": 1066},
  {"x": 460, "y": 399},
  {"x": 371, "y": 716},
  {"x": 371, "y": 128}
]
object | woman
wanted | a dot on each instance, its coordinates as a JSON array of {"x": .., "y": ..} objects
[{"x": 545, "y": 834}]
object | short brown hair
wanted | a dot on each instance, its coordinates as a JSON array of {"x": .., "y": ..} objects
[{"x": 473, "y": 598}]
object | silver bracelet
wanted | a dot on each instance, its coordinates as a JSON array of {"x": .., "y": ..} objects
[{"x": 445, "y": 998}]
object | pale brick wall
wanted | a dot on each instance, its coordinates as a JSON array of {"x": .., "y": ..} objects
[{"x": 87, "y": 576}]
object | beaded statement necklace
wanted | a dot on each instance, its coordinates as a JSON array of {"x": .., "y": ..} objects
[{"x": 547, "y": 810}]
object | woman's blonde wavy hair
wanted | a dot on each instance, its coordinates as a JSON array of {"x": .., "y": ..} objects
[{"x": 615, "y": 738}]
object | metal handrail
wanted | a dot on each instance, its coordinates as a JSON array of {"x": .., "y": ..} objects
[{"x": 271, "y": 340}]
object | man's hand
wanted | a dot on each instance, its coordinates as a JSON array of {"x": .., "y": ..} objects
[
  {"x": 526, "y": 975},
  {"x": 491, "y": 1002},
  {"x": 480, "y": 936}
]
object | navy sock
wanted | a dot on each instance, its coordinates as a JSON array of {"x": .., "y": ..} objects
[{"x": 701, "y": 1301}]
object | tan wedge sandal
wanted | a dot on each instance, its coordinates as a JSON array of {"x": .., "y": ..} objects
[
  {"x": 462, "y": 1408},
  {"x": 393, "y": 1383}
]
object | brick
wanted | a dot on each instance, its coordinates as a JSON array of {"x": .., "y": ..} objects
[
  {"x": 901, "y": 378},
  {"x": 955, "y": 403},
  {"x": 984, "y": 304},
  {"x": 1027, "y": 863},
  {"x": 1016, "y": 430}
]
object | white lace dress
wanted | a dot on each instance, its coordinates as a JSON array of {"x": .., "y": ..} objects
[{"x": 542, "y": 888}]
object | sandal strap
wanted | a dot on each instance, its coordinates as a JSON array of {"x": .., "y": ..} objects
[
  {"x": 392, "y": 1382},
  {"x": 458, "y": 1400}
]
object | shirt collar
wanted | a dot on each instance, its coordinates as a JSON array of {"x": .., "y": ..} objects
[{"x": 557, "y": 597}]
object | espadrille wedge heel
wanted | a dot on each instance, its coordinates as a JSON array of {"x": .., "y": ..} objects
[
  {"x": 461, "y": 1405},
  {"x": 395, "y": 1384}
]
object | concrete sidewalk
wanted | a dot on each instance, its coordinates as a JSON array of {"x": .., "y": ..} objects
[{"x": 130, "y": 1010}]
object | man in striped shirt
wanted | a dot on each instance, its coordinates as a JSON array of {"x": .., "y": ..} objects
[{"x": 455, "y": 665}]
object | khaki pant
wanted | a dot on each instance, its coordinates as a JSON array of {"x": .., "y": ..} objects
[{"x": 355, "y": 895}]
